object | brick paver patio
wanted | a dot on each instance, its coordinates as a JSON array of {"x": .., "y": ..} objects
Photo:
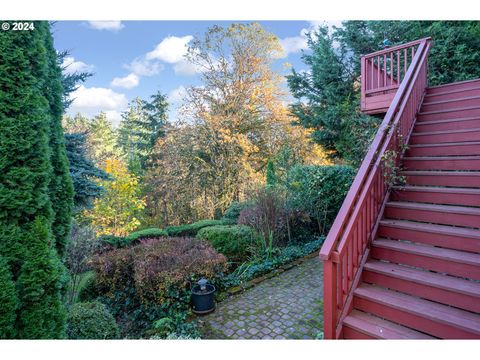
[{"x": 288, "y": 306}]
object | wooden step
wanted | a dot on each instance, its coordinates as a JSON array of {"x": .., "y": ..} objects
[
  {"x": 452, "y": 262},
  {"x": 445, "y": 136},
  {"x": 449, "y": 124},
  {"x": 456, "y": 163},
  {"x": 455, "y": 86},
  {"x": 419, "y": 314},
  {"x": 449, "y": 149},
  {"x": 453, "y": 94},
  {"x": 467, "y": 101},
  {"x": 449, "y": 290},
  {"x": 468, "y": 179},
  {"x": 433, "y": 213},
  {"x": 452, "y": 113},
  {"x": 360, "y": 325},
  {"x": 437, "y": 195},
  {"x": 462, "y": 239}
]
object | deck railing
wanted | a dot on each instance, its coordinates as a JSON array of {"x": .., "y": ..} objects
[{"x": 346, "y": 247}]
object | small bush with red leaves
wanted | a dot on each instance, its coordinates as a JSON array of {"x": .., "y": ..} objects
[{"x": 156, "y": 266}]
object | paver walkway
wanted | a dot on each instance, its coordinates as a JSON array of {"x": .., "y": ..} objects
[{"x": 288, "y": 306}]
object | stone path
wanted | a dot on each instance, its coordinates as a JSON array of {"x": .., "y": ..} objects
[{"x": 288, "y": 306}]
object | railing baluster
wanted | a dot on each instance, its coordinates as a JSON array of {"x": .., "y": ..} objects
[{"x": 351, "y": 232}]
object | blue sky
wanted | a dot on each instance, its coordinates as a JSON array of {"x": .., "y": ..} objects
[{"x": 138, "y": 58}]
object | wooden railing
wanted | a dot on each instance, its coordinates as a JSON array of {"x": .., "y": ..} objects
[
  {"x": 382, "y": 74},
  {"x": 347, "y": 245}
]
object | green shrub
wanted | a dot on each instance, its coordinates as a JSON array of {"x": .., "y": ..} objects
[
  {"x": 191, "y": 229},
  {"x": 117, "y": 242},
  {"x": 145, "y": 234},
  {"x": 233, "y": 211},
  {"x": 319, "y": 191},
  {"x": 88, "y": 291},
  {"x": 234, "y": 241},
  {"x": 258, "y": 267},
  {"x": 8, "y": 301},
  {"x": 152, "y": 280},
  {"x": 91, "y": 320}
]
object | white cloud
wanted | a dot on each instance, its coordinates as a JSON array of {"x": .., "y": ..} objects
[
  {"x": 127, "y": 82},
  {"x": 177, "y": 95},
  {"x": 91, "y": 101},
  {"x": 70, "y": 66},
  {"x": 171, "y": 49},
  {"x": 106, "y": 25},
  {"x": 186, "y": 68},
  {"x": 143, "y": 67},
  {"x": 294, "y": 44}
]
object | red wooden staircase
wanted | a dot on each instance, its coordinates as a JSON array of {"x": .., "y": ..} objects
[{"x": 403, "y": 262}]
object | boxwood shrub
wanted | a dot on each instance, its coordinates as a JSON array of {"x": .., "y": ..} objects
[
  {"x": 91, "y": 320},
  {"x": 233, "y": 241},
  {"x": 192, "y": 229},
  {"x": 112, "y": 241}
]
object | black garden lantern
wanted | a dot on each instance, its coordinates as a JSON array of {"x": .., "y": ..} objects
[{"x": 203, "y": 300}]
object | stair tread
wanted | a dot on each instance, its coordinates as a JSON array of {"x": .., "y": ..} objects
[
  {"x": 420, "y": 307},
  {"x": 456, "y": 83},
  {"x": 438, "y": 189},
  {"x": 463, "y": 157},
  {"x": 465, "y": 143},
  {"x": 381, "y": 328},
  {"x": 441, "y": 173},
  {"x": 429, "y": 251},
  {"x": 441, "y": 132},
  {"x": 451, "y": 100},
  {"x": 435, "y": 207},
  {"x": 432, "y": 279},
  {"x": 433, "y": 228},
  {"x": 449, "y": 110},
  {"x": 435, "y": 122}
]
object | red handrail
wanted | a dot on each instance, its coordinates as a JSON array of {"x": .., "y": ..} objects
[
  {"x": 346, "y": 246},
  {"x": 384, "y": 70}
]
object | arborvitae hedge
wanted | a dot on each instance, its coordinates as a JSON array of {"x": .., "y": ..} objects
[
  {"x": 8, "y": 301},
  {"x": 28, "y": 163}
]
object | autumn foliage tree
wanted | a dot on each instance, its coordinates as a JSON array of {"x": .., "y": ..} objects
[
  {"x": 230, "y": 125},
  {"x": 118, "y": 211}
]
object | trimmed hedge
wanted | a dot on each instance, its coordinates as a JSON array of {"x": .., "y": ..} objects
[
  {"x": 91, "y": 320},
  {"x": 233, "y": 241},
  {"x": 132, "y": 239},
  {"x": 192, "y": 229}
]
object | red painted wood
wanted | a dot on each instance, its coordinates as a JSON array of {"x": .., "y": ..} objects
[
  {"x": 448, "y": 290},
  {"x": 419, "y": 314},
  {"x": 452, "y": 103},
  {"x": 445, "y": 136},
  {"x": 352, "y": 334},
  {"x": 434, "y": 213},
  {"x": 447, "y": 261},
  {"x": 445, "y": 149},
  {"x": 362, "y": 325},
  {"x": 442, "y": 125},
  {"x": 357, "y": 221},
  {"x": 449, "y": 237},
  {"x": 437, "y": 195},
  {"x": 452, "y": 113},
  {"x": 454, "y": 163},
  {"x": 443, "y": 178},
  {"x": 453, "y": 94},
  {"x": 453, "y": 86}
]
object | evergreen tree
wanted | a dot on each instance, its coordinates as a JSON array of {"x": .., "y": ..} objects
[
  {"x": 26, "y": 171},
  {"x": 61, "y": 187},
  {"x": 83, "y": 171},
  {"x": 8, "y": 301},
  {"x": 141, "y": 127},
  {"x": 103, "y": 140}
]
